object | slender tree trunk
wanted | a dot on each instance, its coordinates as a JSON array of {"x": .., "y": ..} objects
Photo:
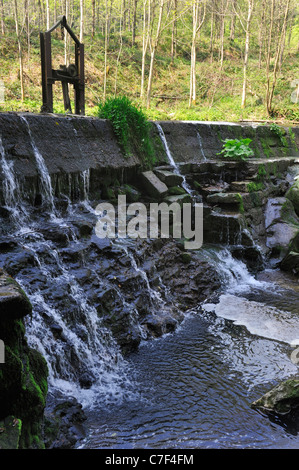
[
  {"x": 20, "y": 51},
  {"x": 81, "y": 20},
  {"x": 261, "y": 33},
  {"x": 106, "y": 48},
  {"x": 233, "y": 22},
  {"x": 2, "y": 18},
  {"x": 246, "y": 52},
  {"x": 145, "y": 40},
  {"x": 134, "y": 22},
  {"x": 278, "y": 53},
  {"x": 48, "y": 14},
  {"x": 197, "y": 23},
  {"x": 174, "y": 32},
  {"x": 153, "y": 52},
  {"x": 119, "y": 51},
  {"x": 268, "y": 57},
  {"x": 93, "y": 22}
]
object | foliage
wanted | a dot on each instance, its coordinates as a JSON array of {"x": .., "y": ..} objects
[
  {"x": 279, "y": 132},
  {"x": 130, "y": 126},
  {"x": 236, "y": 149},
  {"x": 253, "y": 187}
]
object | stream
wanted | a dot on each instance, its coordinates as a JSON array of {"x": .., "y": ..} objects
[
  {"x": 195, "y": 386},
  {"x": 191, "y": 388}
]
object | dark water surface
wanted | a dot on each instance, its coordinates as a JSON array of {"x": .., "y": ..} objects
[{"x": 194, "y": 388}]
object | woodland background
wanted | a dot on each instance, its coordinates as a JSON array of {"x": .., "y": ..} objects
[{"x": 211, "y": 60}]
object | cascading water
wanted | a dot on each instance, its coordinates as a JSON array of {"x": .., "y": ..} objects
[
  {"x": 201, "y": 146},
  {"x": 171, "y": 160},
  {"x": 86, "y": 348},
  {"x": 45, "y": 179},
  {"x": 189, "y": 389}
]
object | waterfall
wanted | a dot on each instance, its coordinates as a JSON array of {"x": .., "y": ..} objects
[
  {"x": 171, "y": 160},
  {"x": 200, "y": 146},
  {"x": 12, "y": 192},
  {"x": 45, "y": 179}
]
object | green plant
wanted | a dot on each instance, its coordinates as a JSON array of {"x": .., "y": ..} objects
[
  {"x": 236, "y": 149},
  {"x": 277, "y": 130},
  {"x": 130, "y": 126},
  {"x": 253, "y": 187}
]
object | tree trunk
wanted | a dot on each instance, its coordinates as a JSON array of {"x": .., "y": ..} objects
[
  {"x": 246, "y": 51},
  {"x": 145, "y": 40},
  {"x": 134, "y": 22},
  {"x": 277, "y": 56},
  {"x": 2, "y": 18},
  {"x": 20, "y": 51},
  {"x": 81, "y": 20},
  {"x": 48, "y": 14},
  {"x": 153, "y": 52},
  {"x": 197, "y": 23}
]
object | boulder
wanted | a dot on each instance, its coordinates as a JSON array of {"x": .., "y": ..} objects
[
  {"x": 281, "y": 399},
  {"x": 293, "y": 196},
  {"x": 14, "y": 304},
  {"x": 169, "y": 178},
  {"x": 152, "y": 185}
]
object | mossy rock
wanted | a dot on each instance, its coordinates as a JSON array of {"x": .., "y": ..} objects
[
  {"x": 293, "y": 196},
  {"x": 281, "y": 399},
  {"x": 10, "y": 433}
]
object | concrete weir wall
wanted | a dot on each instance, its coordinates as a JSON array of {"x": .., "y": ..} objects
[{"x": 71, "y": 145}]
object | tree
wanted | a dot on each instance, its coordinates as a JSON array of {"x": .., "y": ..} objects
[
  {"x": 279, "y": 45},
  {"x": 246, "y": 28},
  {"x": 197, "y": 21},
  {"x": 20, "y": 51}
]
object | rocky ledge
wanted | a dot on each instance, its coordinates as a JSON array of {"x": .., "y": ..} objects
[{"x": 23, "y": 373}]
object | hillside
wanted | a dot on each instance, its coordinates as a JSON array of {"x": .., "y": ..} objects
[{"x": 219, "y": 89}]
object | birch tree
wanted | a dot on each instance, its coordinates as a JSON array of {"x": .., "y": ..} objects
[{"x": 198, "y": 17}]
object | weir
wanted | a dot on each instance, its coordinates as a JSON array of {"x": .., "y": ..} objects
[{"x": 98, "y": 302}]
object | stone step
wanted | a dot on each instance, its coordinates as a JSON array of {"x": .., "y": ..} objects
[
  {"x": 181, "y": 199},
  {"x": 152, "y": 185},
  {"x": 224, "y": 198},
  {"x": 240, "y": 186},
  {"x": 169, "y": 178}
]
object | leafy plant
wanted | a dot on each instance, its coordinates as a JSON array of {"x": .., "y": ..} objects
[
  {"x": 130, "y": 126},
  {"x": 253, "y": 187},
  {"x": 277, "y": 130},
  {"x": 236, "y": 149}
]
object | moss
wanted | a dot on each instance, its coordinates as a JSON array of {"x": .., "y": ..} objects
[{"x": 254, "y": 187}]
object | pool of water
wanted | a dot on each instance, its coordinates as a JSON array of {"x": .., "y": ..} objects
[{"x": 194, "y": 388}]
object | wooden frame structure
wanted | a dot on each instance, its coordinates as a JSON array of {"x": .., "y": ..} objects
[{"x": 73, "y": 74}]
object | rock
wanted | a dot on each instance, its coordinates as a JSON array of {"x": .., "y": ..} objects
[
  {"x": 169, "y": 178},
  {"x": 293, "y": 196},
  {"x": 281, "y": 399},
  {"x": 224, "y": 198},
  {"x": 280, "y": 209},
  {"x": 279, "y": 236},
  {"x": 13, "y": 301},
  {"x": 239, "y": 186},
  {"x": 10, "y": 433},
  {"x": 64, "y": 422},
  {"x": 181, "y": 199},
  {"x": 132, "y": 194},
  {"x": 290, "y": 262},
  {"x": 176, "y": 191},
  {"x": 153, "y": 186}
]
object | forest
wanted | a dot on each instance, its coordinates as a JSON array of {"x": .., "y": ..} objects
[{"x": 229, "y": 60}]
